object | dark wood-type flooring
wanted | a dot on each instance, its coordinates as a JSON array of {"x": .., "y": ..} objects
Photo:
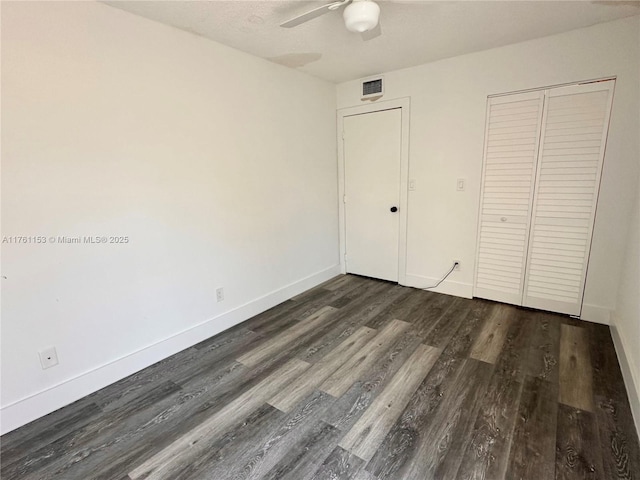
[{"x": 356, "y": 379}]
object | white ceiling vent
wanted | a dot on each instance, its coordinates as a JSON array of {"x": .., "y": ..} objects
[{"x": 372, "y": 88}]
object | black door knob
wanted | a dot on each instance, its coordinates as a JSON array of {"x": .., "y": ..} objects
[{"x": 394, "y": 209}]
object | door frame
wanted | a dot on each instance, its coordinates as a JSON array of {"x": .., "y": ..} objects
[{"x": 404, "y": 105}]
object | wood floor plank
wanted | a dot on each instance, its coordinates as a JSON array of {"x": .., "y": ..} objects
[
  {"x": 378, "y": 304},
  {"x": 486, "y": 457},
  {"x": 311, "y": 294},
  {"x": 355, "y": 298},
  {"x": 202, "y": 377},
  {"x": 137, "y": 430},
  {"x": 33, "y": 437},
  {"x": 227, "y": 446},
  {"x": 281, "y": 323},
  {"x": 578, "y": 452},
  {"x": 340, "y": 381},
  {"x": 346, "y": 321},
  {"x": 544, "y": 352},
  {"x": 180, "y": 367},
  {"x": 314, "y": 345},
  {"x": 339, "y": 282},
  {"x": 219, "y": 346},
  {"x": 607, "y": 377},
  {"x": 487, "y": 454},
  {"x": 306, "y": 455},
  {"x": 210, "y": 391},
  {"x": 227, "y": 454},
  {"x": 402, "y": 442},
  {"x": 283, "y": 446},
  {"x": 342, "y": 286},
  {"x": 93, "y": 442},
  {"x": 331, "y": 290},
  {"x": 281, "y": 311},
  {"x": 576, "y": 380},
  {"x": 513, "y": 357},
  {"x": 354, "y": 403},
  {"x": 120, "y": 393},
  {"x": 365, "y": 436},
  {"x": 339, "y": 465},
  {"x": 315, "y": 299},
  {"x": 287, "y": 398},
  {"x": 426, "y": 315},
  {"x": 162, "y": 465},
  {"x": 398, "y": 309},
  {"x": 364, "y": 475},
  {"x": 439, "y": 450},
  {"x": 488, "y": 345},
  {"x": 465, "y": 336},
  {"x": 618, "y": 439},
  {"x": 497, "y": 418},
  {"x": 322, "y": 345},
  {"x": 533, "y": 448},
  {"x": 566, "y": 320},
  {"x": 187, "y": 412},
  {"x": 287, "y": 337},
  {"x": 445, "y": 327}
]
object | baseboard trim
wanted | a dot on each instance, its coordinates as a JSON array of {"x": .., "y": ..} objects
[
  {"x": 596, "y": 314},
  {"x": 37, "y": 405},
  {"x": 448, "y": 287},
  {"x": 630, "y": 375}
]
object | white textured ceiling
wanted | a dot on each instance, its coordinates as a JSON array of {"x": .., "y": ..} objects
[{"x": 413, "y": 32}]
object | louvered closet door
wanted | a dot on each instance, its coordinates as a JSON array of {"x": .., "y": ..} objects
[
  {"x": 511, "y": 148},
  {"x": 574, "y": 133}
]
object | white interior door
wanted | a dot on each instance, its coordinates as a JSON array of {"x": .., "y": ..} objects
[
  {"x": 543, "y": 160},
  {"x": 372, "y": 150},
  {"x": 511, "y": 149},
  {"x": 574, "y": 134}
]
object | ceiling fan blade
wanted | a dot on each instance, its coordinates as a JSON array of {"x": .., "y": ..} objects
[
  {"x": 316, "y": 12},
  {"x": 375, "y": 32}
]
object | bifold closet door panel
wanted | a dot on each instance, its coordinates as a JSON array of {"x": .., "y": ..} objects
[
  {"x": 511, "y": 149},
  {"x": 572, "y": 144}
]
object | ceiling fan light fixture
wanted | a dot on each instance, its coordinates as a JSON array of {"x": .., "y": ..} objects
[{"x": 361, "y": 15}]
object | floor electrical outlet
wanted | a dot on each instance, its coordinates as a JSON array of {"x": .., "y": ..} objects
[{"x": 48, "y": 357}]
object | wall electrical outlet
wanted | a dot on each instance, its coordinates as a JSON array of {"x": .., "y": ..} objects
[
  {"x": 48, "y": 357},
  {"x": 219, "y": 294},
  {"x": 458, "y": 266}
]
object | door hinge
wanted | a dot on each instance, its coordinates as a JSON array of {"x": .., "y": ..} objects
[
  {"x": 344, "y": 199},
  {"x": 343, "y": 134}
]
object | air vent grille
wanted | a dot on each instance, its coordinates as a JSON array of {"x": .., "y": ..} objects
[{"x": 372, "y": 87}]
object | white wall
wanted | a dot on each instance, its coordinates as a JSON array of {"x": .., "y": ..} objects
[
  {"x": 626, "y": 318},
  {"x": 219, "y": 167},
  {"x": 448, "y": 103}
]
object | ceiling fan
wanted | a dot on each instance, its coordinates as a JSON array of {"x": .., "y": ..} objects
[{"x": 359, "y": 16}]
